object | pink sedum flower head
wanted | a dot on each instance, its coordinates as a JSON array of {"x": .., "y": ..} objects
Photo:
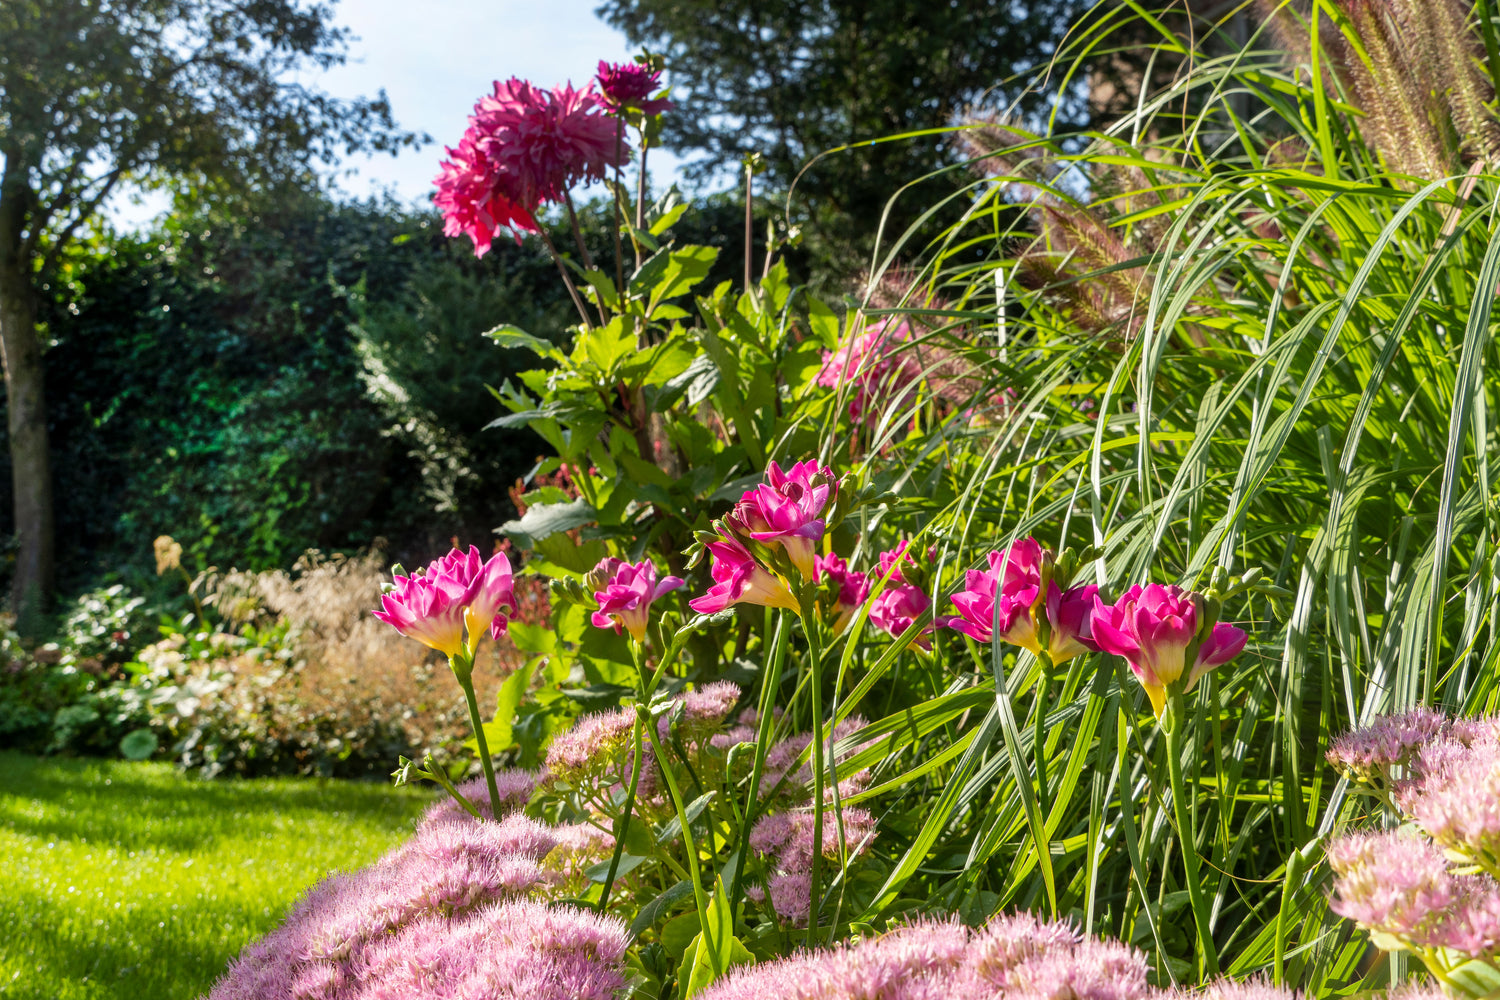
[
  {"x": 626, "y": 595},
  {"x": 630, "y": 85},
  {"x": 1152, "y": 627},
  {"x": 853, "y": 589},
  {"x": 787, "y": 510},
  {"x": 739, "y": 579}
]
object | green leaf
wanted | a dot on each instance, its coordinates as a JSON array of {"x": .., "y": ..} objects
[
  {"x": 706, "y": 959},
  {"x": 509, "y": 336},
  {"x": 685, "y": 269},
  {"x": 628, "y": 863},
  {"x": 673, "y": 828},
  {"x": 547, "y": 519},
  {"x": 506, "y": 703},
  {"x": 652, "y": 911}
]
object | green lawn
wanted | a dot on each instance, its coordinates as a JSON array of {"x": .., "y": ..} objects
[{"x": 132, "y": 881}]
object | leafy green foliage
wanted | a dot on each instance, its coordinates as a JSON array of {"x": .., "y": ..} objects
[{"x": 308, "y": 376}]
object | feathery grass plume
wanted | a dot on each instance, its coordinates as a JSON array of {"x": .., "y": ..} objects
[
  {"x": 1071, "y": 257},
  {"x": 1287, "y": 22},
  {"x": 992, "y": 143},
  {"x": 919, "y": 354},
  {"x": 1448, "y": 55},
  {"x": 1401, "y": 113}
]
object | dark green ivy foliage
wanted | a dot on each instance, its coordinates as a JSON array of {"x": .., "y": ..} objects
[{"x": 304, "y": 375}]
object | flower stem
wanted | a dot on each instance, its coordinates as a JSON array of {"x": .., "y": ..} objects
[
  {"x": 623, "y": 824},
  {"x": 566, "y": 277},
  {"x": 1187, "y": 834},
  {"x": 583, "y": 250},
  {"x": 463, "y": 669},
  {"x": 810, "y": 625},
  {"x": 619, "y": 250},
  {"x": 689, "y": 847},
  {"x": 1039, "y": 737}
]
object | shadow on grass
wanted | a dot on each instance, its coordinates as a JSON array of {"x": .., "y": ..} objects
[{"x": 144, "y": 806}]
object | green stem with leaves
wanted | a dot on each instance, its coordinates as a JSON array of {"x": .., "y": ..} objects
[
  {"x": 463, "y": 669},
  {"x": 1175, "y": 724}
]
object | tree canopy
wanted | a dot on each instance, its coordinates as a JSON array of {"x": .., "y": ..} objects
[
  {"x": 790, "y": 79},
  {"x": 98, "y": 93}
]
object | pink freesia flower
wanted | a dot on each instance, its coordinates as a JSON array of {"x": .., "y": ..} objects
[
  {"x": 787, "y": 510},
  {"x": 853, "y": 588},
  {"x": 1152, "y": 627},
  {"x": 897, "y": 606},
  {"x": 491, "y": 596},
  {"x": 427, "y": 608},
  {"x": 626, "y": 592},
  {"x": 1013, "y": 580},
  {"x": 630, "y": 85},
  {"x": 738, "y": 579},
  {"x": 434, "y": 605}
]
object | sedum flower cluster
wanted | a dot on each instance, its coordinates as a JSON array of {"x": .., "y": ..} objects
[
  {"x": 459, "y": 910},
  {"x": 1432, "y": 885},
  {"x": 1012, "y": 956}
]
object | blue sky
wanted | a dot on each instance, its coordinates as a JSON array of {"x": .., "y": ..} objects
[{"x": 435, "y": 58}]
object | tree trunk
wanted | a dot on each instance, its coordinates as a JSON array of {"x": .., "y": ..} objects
[{"x": 31, "y": 471}]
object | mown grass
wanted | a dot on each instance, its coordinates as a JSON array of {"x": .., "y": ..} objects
[{"x": 132, "y": 881}]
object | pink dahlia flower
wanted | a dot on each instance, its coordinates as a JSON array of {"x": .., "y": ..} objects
[
  {"x": 1152, "y": 627},
  {"x": 626, "y": 592},
  {"x": 471, "y": 200},
  {"x": 739, "y": 579},
  {"x": 524, "y": 146},
  {"x": 852, "y": 588},
  {"x": 544, "y": 141},
  {"x": 787, "y": 510},
  {"x": 630, "y": 85},
  {"x": 434, "y": 605}
]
